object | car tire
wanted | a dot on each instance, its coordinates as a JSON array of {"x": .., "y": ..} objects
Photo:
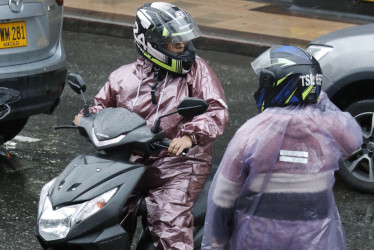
[
  {"x": 9, "y": 129},
  {"x": 358, "y": 169}
]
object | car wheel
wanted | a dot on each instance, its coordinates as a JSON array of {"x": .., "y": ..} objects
[
  {"x": 358, "y": 169},
  {"x": 9, "y": 129}
]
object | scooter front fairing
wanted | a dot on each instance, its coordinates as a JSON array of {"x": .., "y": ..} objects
[{"x": 80, "y": 206}]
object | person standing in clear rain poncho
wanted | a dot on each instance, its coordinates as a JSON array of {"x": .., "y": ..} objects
[
  {"x": 274, "y": 186},
  {"x": 167, "y": 71}
]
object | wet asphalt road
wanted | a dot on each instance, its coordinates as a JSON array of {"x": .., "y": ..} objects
[{"x": 40, "y": 152}]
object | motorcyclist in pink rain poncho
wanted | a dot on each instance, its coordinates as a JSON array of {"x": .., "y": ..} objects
[
  {"x": 274, "y": 186},
  {"x": 167, "y": 72}
]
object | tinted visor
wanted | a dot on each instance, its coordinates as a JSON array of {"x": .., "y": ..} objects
[
  {"x": 175, "y": 31},
  {"x": 282, "y": 57}
]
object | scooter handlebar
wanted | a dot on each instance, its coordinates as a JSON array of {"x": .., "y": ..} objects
[
  {"x": 66, "y": 127},
  {"x": 72, "y": 126},
  {"x": 165, "y": 143}
]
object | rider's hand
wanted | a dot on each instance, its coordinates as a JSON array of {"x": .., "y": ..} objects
[
  {"x": 177, "y": 145},
  {"x": 77, "y": 119}
]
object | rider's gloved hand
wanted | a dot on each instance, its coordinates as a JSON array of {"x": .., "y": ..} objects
[
  {"x": 177, "y": 145},
  {"x": 77, "y": 119}
]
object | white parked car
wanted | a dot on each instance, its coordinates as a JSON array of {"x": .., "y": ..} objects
[{"x": 347, "y": 58}]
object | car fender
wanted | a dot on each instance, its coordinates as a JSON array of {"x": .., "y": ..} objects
[
  {"x": 342, "y": 68},
  {"x": 338, "y": 84}
]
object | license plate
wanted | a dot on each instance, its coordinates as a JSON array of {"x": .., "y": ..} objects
[{"x": 13, "y": 35}]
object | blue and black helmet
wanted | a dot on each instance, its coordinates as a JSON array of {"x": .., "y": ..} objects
[{"x": 287, "y": 75}]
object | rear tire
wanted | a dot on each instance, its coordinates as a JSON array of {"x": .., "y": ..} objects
[
  {"x": 9, "y": 129},
  {"x": 358, "y": 169}
]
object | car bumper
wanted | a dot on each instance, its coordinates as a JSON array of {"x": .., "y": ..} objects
[
  {"x": 40, "y": 84},
  {"x": 39, "y": 93}
]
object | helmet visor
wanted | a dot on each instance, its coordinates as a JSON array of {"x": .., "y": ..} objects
[
  {"x": 290, "y": 56},
  {"x": 175, "y": 31}
]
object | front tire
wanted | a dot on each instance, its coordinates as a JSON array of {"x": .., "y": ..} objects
[
  {"x": 9, "y": 129},
  {"x": 358, "y": 169}
]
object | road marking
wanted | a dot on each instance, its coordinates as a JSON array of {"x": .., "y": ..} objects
[{"x": 21, "y": 138}]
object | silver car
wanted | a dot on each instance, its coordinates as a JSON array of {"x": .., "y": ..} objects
[
  {"x": 32, "y": 60},
  {"x": 347, "y": 59}
]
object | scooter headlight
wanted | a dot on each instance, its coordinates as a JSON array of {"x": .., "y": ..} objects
[
  {"x": 56, "y": 224},
  {"x": 43, "y": 195},
  {"x": 93, "y": 206}
]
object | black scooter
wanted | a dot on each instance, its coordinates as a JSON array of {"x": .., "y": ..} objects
[{"x": 80, "y": 208}]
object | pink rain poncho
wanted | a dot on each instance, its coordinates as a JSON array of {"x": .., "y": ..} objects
[
  {"x": 171, "y": 184},
  {"x": 274, "y": 186}
]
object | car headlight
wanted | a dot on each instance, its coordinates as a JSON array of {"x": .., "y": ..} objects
[
  {"x": 56, "y": 224},
  {"x": 318, "y": 51}
]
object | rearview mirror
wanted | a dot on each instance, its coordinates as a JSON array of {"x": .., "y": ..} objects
[
  {"x": 192, "y": 106},
  {"x": 76, "y": 82},
  {"x": 189, "y": 107}
]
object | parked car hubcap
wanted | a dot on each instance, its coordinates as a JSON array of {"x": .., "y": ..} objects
[{"x": 361, "y": 162}]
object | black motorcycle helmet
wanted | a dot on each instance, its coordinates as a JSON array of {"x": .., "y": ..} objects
[
  {"x": 160, "y": 23},
  {"x": 287, "y": 75}
]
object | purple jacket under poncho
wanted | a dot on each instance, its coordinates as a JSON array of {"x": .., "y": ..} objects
[{"x": 274, "y": 186}]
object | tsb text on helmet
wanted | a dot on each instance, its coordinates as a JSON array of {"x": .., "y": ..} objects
[{"x": 311, "y": 79}]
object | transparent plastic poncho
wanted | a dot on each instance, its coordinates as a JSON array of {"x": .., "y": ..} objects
[{"x": 274, "y": 186}]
